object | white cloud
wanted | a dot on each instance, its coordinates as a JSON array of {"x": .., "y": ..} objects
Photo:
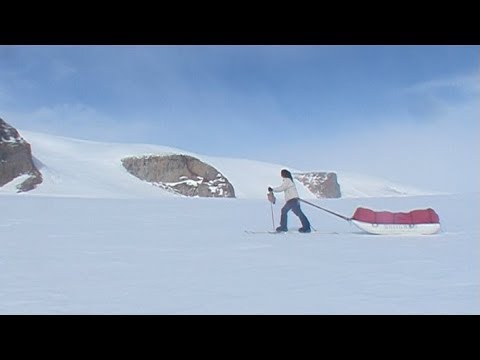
[{"x": 468, "y": 84}]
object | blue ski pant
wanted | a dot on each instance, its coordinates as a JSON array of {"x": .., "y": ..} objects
[{"x": 294, "y": 205}]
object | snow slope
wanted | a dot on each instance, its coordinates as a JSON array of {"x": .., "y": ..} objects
[{"x": 80, "y": 168}]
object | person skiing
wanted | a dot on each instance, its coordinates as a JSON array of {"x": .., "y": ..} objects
[{"x": 292, "y": 203}]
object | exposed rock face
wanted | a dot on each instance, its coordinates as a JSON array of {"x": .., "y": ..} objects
[
  {"x": 321, "y": 184},
  {"x": 16, "y": 159},
  {"x": 182, "y": 174}
]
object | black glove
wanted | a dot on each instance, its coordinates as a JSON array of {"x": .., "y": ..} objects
[{"x": 270, "y": 189}]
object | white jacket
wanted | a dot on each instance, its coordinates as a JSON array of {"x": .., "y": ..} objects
[{"x": 289, "y": 187}]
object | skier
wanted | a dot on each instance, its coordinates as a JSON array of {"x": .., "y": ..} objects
[{"x": 292, "y": 203}]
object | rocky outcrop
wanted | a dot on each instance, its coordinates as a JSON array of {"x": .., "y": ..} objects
[
  {"x": 181, "y": 174},
  {"x": 16, "y": 159},
  {"x": 321, "y": 184}
]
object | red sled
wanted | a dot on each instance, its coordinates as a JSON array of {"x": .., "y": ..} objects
[{"x": 415, "y": 222}]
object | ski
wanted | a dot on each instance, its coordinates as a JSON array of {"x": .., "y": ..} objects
[
  {"x": 261, "y": 232},
  {"x": 288, "y": 232}
]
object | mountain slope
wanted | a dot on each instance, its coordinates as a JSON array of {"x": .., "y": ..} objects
[{"x": 81, "y": 168}]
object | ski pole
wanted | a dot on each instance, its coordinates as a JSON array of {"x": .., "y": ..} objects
[
  {"x": 271, "y": 199},
  {"x": 273, "y": 222}
]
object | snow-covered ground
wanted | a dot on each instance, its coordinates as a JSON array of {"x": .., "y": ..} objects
[
  {"x": 191, "y": 256},
  {"x": 92, "y": 239}
]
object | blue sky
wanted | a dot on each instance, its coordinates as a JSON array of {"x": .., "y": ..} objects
[{"x": 380, "y": 110}]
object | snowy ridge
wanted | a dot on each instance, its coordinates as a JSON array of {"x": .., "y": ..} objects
[{"x": 82, "y": 168}]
